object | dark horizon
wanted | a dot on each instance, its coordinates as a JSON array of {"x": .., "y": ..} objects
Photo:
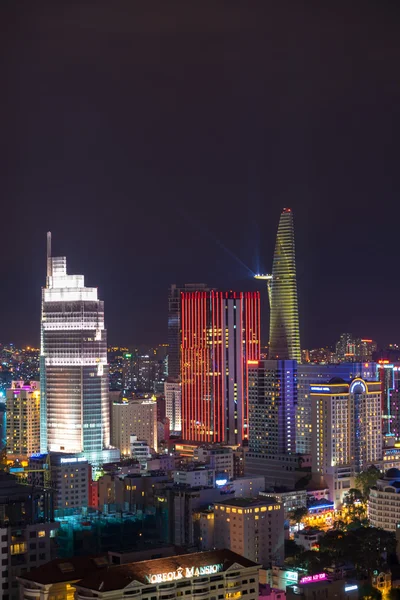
[{"x": 160, "y": 143}]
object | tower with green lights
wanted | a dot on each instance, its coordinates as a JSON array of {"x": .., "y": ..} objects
[{"x": 284, "y": 331}]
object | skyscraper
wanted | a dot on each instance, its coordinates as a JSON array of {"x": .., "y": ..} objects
[
  {"x": 220, "y": 334},
  {"x": 272, "y": 403},
  {"x": 174, "y": 325},
  {"x": 73, "y": 371},
  {"x": 284, "y": 332}
]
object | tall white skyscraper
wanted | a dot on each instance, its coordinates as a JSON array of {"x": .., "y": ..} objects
[{"x": 73, "y": 366}]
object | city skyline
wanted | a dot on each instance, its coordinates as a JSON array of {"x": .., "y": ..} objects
[{"x": 182, "y": 172}]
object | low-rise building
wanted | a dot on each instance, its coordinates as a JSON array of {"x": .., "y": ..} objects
[
  {"x": 140, "y": 450},
  {"x": 198, "y": 477},
  {"x": 308, "y": 538},
  {"x": 56, "y": 578},
  {"x": 220, "y": 459},
  {"x": 320, "y": 587},
  {"x": 204, "y": 575},
  {"x": 291, "y": 499}
]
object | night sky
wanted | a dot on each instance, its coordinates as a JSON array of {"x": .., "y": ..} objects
[{"x": 159, "y": 141}]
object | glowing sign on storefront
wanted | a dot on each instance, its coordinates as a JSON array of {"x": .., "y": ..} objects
[
  {"x": 292, "y": 576},
  {"x": 185, "y": 572},
  {"x": 350, "y": 588},
  {"x": 313, "y": 578}
]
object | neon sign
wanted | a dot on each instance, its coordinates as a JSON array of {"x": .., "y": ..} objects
[
  {"x": 320, "y": 388},
  {"x": 350, "y": 588},
  {"x": 358, "y": 382},
  {"x": 185, "y": 572},
  {"x": 313, "y": 578}
]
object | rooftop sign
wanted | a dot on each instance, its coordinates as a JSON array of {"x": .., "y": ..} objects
[
  {"x": 185, "y": 573},
  {"x": 313, "y": 578}
]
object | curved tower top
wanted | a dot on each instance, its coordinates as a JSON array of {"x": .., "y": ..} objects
[{"x": 284, "y": 331}]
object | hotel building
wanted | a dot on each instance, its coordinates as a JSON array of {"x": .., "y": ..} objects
[
  {"x": 252, "y": 528},
  {"x": 346, "y": 430},
  {"x": 205, "y": 575}
]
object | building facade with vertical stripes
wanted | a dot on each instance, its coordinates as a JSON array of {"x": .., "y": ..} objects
[
  {"x": 220, "y": 335},
  {"x": 284, "y": 330}
]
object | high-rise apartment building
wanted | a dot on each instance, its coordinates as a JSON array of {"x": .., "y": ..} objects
[
  {"x": 173, "y": 405},
  {"x": 174, "y": 325},
  {"x": 311, "y": 374},
  {"x": 137, "y": 417},
  {"x": 272, "y": 403},
  {"x": 220, "y": 339},
  {"x": 346, "y": 431},
  {"x": 284, "y": 330},
  {"x": 23, "y": 419},
  {"x": 75, "y": 414}
]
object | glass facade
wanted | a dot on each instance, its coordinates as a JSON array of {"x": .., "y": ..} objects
[
  {"x": 74, "y": 371},
  {"x": 284, "y": 332}
]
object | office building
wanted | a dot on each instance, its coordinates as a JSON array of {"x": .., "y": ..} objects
[
  {"x": 68, "y": 475},
  {"x": 75, "y": 415},
  {"x": 253, "y": 528},
  {"x": 174, "y": 325},
  {"x": 308, "y": 374},
  {"x": 384, "y": 501},
  {"x": 173, "y": 405},
  {"x": 284, "y": 330},
  {"x": 22, "y": 420},
  {"x": 136, "y": 417},
  {"x": 220, "y": 338},
  {"x": 27, "y": 531},
  {"x": 346, "y": 431},
  {"x": 204, "y": 574}
]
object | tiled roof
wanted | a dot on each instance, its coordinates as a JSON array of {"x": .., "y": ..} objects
[
  {"x": 67, "y": 569},
  {"x": 118, "y": 577}
]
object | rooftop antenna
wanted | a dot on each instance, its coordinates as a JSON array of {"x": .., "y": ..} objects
[{"x": 49, "y": 269}]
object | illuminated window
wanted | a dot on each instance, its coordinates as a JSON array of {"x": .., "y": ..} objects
[
  {"x": 18, "y": 548},
  {"x": 41, "y": 534}
]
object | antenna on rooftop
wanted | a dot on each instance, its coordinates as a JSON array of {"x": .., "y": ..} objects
[{"x": 49, "y": 269}]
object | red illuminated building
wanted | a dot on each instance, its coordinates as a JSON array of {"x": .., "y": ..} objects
[{"x": 220, "y": 334}]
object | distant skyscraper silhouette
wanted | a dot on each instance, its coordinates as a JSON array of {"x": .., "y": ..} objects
[{"x": 284, "y": 331}]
